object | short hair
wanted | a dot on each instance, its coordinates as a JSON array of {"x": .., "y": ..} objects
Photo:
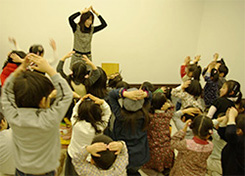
[
  {"x": 29, "y": 89},
  {"x": 148, "y": 86},
  {"x": 158, "y": 100},
  {"x": 79, "y": 70},
  {"x": 113, "y": 82},
  {"x": 91, "y": 112},
  {"x": 223, "y": 69},
  {"x": 240, "y": 122},
  {"x": 36, "y": 49},
  {"x": 201, "y": 126},
  {"x": 1, "y": 118},
  {"x": 107, "y": 157},
  {"x": 194, "y": 88},
  {"x": 21, "y": 54}
]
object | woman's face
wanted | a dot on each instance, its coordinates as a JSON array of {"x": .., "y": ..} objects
[
  {"x": 88, "y": 22},
  {"x": 223, "y": 90}
]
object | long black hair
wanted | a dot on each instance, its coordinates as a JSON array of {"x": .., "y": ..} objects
[{"x": 83, "y": 18}]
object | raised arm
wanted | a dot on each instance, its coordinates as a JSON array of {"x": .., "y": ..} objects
[
  {"x": 72, "y": 22},
  {"x": 60, "y": 65},
  {"x": 102, "y": 21}
]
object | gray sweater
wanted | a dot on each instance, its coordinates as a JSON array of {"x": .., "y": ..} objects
[{"x": 36, "y": 134}]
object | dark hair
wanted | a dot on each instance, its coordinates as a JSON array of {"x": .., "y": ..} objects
[
  {"x": 21, "y": 54},
  {"x": 194, "y": 88},
  {"x": 122, "y": 84},
  {"x": 191, "y": 67},
  {"x": 83, "y": 18},
  {"x": 158, "y": 100},
  {"x": 201, "y": 126},
  {"x": 79, "y": 70},
  {"x": 147, "y": 86},
  {"x": 113, "y": 82},
  {"x": 130, "y": 118},
  {"x": 234, "y": 86},
  {"x": 223, "y": 68},
  {"x": 168, "y": 93},
  {"x": 240, "y": 122},
  {"x": 197, "y": 72},
  {"x": 1, "y": 118},
  {"x": 30, "y": 88},
  {"x": 214, "y": 75},
  {"x": 36, "y": 49},
  {"x": 107, "y": 157},
  {"x": 91, "y": 112},
  {"x": 241, "y": 106},
  {"x": 98, "y": 89}
]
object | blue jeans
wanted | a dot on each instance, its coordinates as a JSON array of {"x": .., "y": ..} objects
[{"x": 19, "y": 173}]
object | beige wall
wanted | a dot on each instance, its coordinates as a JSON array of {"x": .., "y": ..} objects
[{"x": 149, "y": 38}]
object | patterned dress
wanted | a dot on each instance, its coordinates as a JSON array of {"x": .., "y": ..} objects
[{"x": 161, "y": 155}]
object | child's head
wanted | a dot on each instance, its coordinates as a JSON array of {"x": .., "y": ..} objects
[
  {"x": 31, "y": 90},
  {"x": 98, "y": 89},
  {"x": 190, "y": 69},
  {"x": 223, "y": 69},
  {"x": 202, "y": 127},
  {"x": 3, "y": 122},
  {"x": 122, "y": 84},
  {"x": 114, "y": 80},
  {"x": 37, "y": 49},
  {"x": 194, "y": 88},
  {"x": 86, "y": 21},
  {"x": 241, "y": 106},
  {"x": 147, "y": 86},
  {"x": 107, "y": 157},
  {"x": 91, "y": 112},
  {"x": 79, "y": 70},
  {"x": 240, "y": 124},
  {"x": 231, "y": 89},
  {"x": 197, "y": 72},
  {"x": 158, "y": 100},
  {"x": 21, "y": 54}
]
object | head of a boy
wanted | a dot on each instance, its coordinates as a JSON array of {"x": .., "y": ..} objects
[
  {"x": 3, "y": 122},
  {"x": 32, "y": 90},
  {"x": 107, "y": 157},
  {"x": 240, "y": 124}
]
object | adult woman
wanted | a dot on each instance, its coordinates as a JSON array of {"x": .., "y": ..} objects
[{"x": 83, "y": 32}]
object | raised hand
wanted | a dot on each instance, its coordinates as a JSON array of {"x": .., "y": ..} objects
[
  {"x": 96, "y": 13},
  {"x": 191, "y": 111},
  {"x": 96, "y": 147},
  {"x": 187, "y": 124},
  {"x": 135, "y": 95},
  {"x": 86, "y": 10},
  {"x": 16, "y": 58},
  {"x": 52, "y": 44},
  {"x": 96, "y": 99},
  {"x": 115, "y": 146},
  {"x": 67, "y": 55}
]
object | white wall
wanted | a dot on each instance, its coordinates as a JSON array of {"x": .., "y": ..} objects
[{"x": 149, "y": 38}]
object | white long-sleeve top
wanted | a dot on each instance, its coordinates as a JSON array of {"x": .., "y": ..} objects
[{"x": 83, "y": 132}]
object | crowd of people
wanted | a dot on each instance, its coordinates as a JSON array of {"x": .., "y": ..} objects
[{"x": 90, "y": 123}]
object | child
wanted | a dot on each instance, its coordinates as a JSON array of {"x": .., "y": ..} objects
[
  {"x": 34, "y": 122},
  {"x": 14, "y": 60},
  {"x": 211, "y": 76},
  {"x": 223, "y": 71},
  {"x": 108, "y": 158},
  {"x": 230, "y": 95},
  {"x": 190, "y": 94},
  {"x": 193, "y": 153},
  {"x": 83, "y": 32},
  {"x": 90, "y": 117},
  {"x": 158, "y": 134},
  {"x": 181, "y": 116},
  {"x": 131, "y": 123},
  {"x": 232, "y": 158},
  {"x": 7, "y": 165}
]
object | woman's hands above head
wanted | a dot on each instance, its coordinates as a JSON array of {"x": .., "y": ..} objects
[{"x": 86, "y": 10}]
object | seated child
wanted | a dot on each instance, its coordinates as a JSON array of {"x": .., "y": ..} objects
[
  {"x": 7, "y": 165},
  {"x": 35, "y": 124},
  {"x": 108, "y": 158},
  {"x": 193, "y": 153},
  {"x": 232, "y": 157}
]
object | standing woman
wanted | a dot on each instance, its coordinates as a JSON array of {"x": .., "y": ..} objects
[{"x": 83, "y": 32}]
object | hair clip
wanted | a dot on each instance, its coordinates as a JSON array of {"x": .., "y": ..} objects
[{"x": 210, "y": 131}]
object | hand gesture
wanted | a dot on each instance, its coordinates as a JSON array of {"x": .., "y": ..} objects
[
  {"x": 87, "y": 60},
  {"x": 96, "y": 13},
  {"x": 197, "y": 58},
  {"x": 215, "y": 56},
  {"x": 68, "y": 55},
  {"x": 86, "y": 10},
  {"x": 52, "y": 44},
  {"x": 135, "y": 95},
  {"x": 12, "y": 40},
  {"x": 165, "y": 106},
  {"x": 16, "y": 58},
  {"x": 187, "y": 60},
  {"x": 96, "y": 99},
  {"x": 95, "y": 148},
  {"x": 164, "y": 89},
  {"x": 187, "y": 124},
  {"x": 115, "y": 146},
  {"x": 191, "y": 111}
]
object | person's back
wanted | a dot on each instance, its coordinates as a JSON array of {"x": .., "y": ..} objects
[
  {"x": 34, "y": 122},
  {"x": 7, "y": 165}
]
